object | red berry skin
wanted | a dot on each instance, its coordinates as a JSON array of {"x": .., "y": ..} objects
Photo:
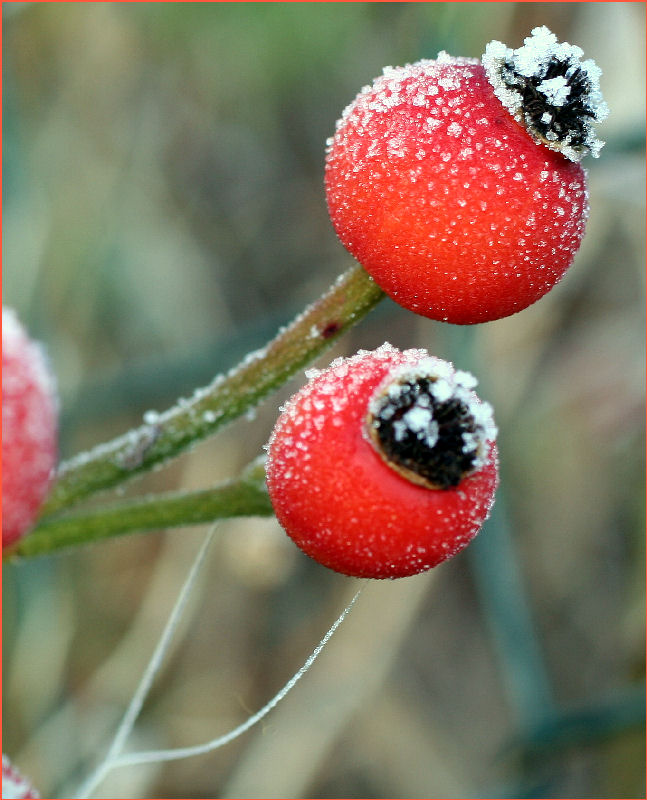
[
  {"x": 341, "y": 503},
  {"x": 446, "y": 200},
  {"x": 29, "y": 429}
]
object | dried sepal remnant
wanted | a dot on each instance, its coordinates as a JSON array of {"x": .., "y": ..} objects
[
  {"x": 428, "y": 425},
  {"x": 550, "y": 90}
]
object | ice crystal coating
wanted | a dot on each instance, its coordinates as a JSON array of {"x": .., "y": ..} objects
[
  {"x": 15, "y": 785},
  {"x": 427, "y": 424},
  {"x": 545, "y": 85}
]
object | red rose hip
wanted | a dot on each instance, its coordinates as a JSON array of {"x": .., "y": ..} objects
[
  {"x": 384, "y": 465},
  {"x": 457, "y": 184},
  {"x": 29, "y": 428}
]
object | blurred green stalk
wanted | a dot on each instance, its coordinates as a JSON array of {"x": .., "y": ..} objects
[
  {"x": 166, "y": 435},
  {"x": 246, "y": 496}
]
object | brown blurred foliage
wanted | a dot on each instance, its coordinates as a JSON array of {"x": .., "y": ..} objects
[{"x": 163, "y": 215}]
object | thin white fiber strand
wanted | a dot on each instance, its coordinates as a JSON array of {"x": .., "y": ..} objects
[
  {"x": 145, "y": 757},
  {"x": 141, "y": 693}
]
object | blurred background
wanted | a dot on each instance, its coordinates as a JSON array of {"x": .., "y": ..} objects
[{"x": 164, "y": 214}]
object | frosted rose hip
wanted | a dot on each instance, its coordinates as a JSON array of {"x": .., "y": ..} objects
[
  {"x": 29, "y": 428},
  {"x": 442, "y": 194},
  {"x": 383, "y": 465}
]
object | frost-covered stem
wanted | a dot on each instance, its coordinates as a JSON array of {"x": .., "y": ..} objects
[
  {"x": 246, "y": 496},
  {"x": 165, "y": 435}
]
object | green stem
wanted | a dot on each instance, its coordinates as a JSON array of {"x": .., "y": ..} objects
[
  {"x": 246, "y": 496},
  {"x": 164, "y": 436}
]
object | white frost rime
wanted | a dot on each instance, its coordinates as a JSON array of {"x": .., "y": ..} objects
[{"x": 548, "y": 88}]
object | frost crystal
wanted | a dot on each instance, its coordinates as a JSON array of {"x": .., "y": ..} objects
[
  {"x": 554, "y": 94},
  {"x": 13, "y": 783}
]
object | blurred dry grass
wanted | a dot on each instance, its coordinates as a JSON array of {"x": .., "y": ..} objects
[{"x": 164, "y": 213}]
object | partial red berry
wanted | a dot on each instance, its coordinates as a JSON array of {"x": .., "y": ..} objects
[
  {"x": 29, "y": 428},
  {"x": 15, "y": 785},
  {"x": 460, "y": 207},
  {"x": 383, "y": 465}
]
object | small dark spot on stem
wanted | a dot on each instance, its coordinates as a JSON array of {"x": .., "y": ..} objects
[{"x": 330, "y": 330}]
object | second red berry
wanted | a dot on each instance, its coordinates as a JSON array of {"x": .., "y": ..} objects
[{"x": 383, "y": 465}]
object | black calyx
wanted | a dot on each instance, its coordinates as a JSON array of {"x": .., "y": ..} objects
[
  {"x": 422, "y": 436},
  {"x": 568, "y": 120}
]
